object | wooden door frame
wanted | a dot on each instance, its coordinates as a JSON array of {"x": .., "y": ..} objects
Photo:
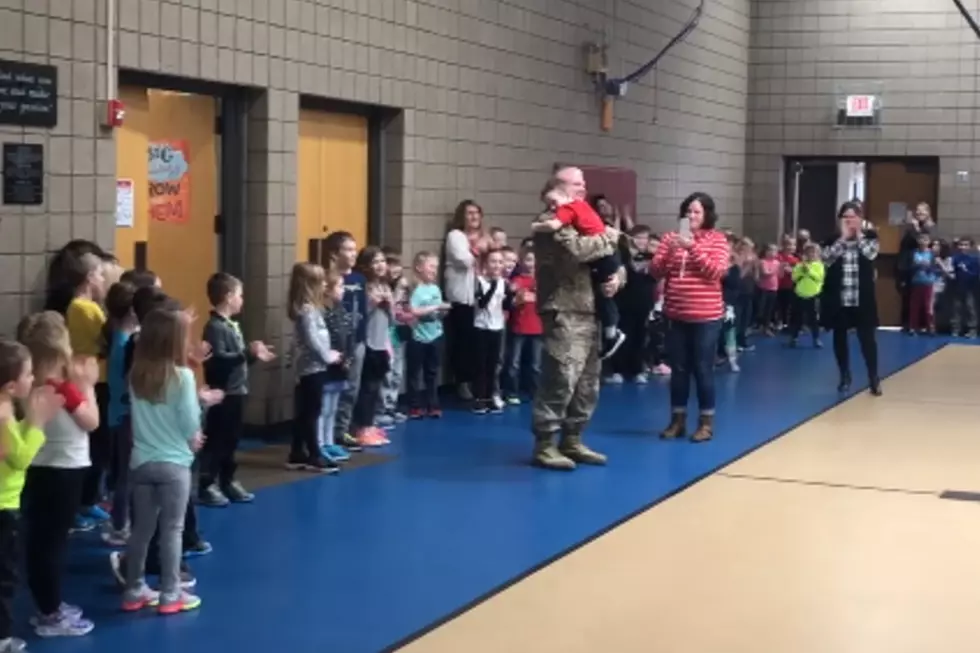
[
  {"x": 379, "y": 118},
  {"x": 231, "y": 223}
]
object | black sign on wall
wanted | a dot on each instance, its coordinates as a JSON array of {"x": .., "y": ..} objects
[
  {"x": 23, "y": 174},
  {"x": 28, "y": 94}
]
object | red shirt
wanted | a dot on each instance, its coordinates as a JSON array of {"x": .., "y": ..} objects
[
  {"x": 692, "y": 277},
  {"x": 583, "y": 217},
  {"x": 786, "y": 276},
  {"x": 72, "y": 395},
  {"x": 524, "y": 318}
]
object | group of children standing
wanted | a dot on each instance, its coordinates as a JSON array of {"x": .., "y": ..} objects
[{"x": 944, "y": 277}]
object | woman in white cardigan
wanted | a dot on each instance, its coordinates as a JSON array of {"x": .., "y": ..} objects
[{"x": 466, "y": 242}]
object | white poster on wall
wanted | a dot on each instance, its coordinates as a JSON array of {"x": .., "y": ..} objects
[
  {"x": 898, "y": 213},
  {"x": 124, "y": 203}
]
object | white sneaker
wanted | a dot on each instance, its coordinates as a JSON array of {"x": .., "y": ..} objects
[
  {"x": 614, "y": 379},
  {"x": 498, "y": 403}
]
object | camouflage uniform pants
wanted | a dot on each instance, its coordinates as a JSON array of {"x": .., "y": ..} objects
[{"x": 569, "y": 386}]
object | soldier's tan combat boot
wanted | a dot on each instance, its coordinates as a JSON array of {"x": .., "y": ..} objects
[
  {"x": 677, "y": 427},
  {"x": 546, "y": 455},
  {"x": 705, "y": 430},
  {"x": 571, "y": 447}
]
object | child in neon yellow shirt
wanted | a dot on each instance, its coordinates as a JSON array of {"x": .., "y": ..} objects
[
  {"x": 808, "y": 277},
  {"x": 19, "y": 442}
]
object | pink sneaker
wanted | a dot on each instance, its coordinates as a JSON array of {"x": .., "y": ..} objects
[
  {"x": 371, "y": 436},
  {"x": 661, "y": 370}
]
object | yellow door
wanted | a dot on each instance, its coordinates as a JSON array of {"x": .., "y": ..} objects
[
  {"x": 168, "y": 150},
  {"x": 333, "y": 179}
]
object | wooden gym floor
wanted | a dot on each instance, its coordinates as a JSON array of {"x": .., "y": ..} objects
[{"x": 832, "y": 539}]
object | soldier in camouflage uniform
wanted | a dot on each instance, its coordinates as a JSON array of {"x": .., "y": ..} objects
[{"x": 570, "y": 368}]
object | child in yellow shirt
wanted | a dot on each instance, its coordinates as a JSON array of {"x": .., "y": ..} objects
[
  {"x": 19, "y": 442},
  {"x": 86, "y": 322}
]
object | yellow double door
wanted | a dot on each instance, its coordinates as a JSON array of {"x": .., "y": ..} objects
[
  {"x": 167, "y": 165},
  {"x": 333, "y": 181},
  {"x": 167, "y": 170}
]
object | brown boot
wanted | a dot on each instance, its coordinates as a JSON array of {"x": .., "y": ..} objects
[
  {"x": 677, "y": 427},
  {"x": 546, "y": 455},
  {"x": 705, "y": 430},
  {"x": 572, "y": 448}
]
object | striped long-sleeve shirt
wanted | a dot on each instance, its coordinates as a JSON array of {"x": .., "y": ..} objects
[{"x": 693, "y": 276}]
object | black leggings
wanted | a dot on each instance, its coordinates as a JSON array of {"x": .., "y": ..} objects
[
  {"x": 376, "y": 366},
  {"x": 100, "y": 450},
  {"x": 9, "y": 558},
  {"x": 223, "y": 427},
  {"x": 486, "y": 345},
  {"x": 869, "y": 348},
  {"x": 309, "y": 401},
  {"x": 459, "y": 338},
  {"x": 51, "y": 499}
]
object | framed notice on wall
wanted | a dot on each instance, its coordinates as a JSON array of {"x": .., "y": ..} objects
[
  {"x": 28, "y": 94},
  {"x": 23, "y": 174}
]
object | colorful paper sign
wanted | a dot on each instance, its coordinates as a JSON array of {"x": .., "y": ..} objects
[{"x": 170, "y": 182}]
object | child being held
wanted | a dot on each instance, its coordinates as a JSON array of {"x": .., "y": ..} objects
[{"x": 578, "y": 214}]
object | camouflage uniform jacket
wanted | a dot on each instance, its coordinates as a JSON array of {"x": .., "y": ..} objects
[{"x": 564, "y": 280}]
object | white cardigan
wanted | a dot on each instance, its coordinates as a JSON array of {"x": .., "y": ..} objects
[{"x": 459, "y": 277}]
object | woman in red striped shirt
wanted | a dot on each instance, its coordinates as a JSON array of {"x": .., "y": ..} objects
[{"x": 692, "y": 261}]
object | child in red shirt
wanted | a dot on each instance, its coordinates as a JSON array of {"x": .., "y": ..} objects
[
  {"x": 579, "y": 215},
  {"x": 525, "y": 331}
]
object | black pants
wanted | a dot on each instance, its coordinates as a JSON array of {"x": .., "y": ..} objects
[
  {"x": 785, "y": 298},
  {"x": 606, "y": 308},
  {"x": 309, "y": 403},
  {"x": 744, "y": 312},
  {"x": 805, "y": 314},
  {"x": 459, "y": 333},
  {"x": 376, "y": 366},
  {"x": 9, "y": 559},
  {"x": 866, "y": 334},
  {"x": 423, "y": 359},
  {"x": 487, "y": 346},
  {"x": 767, "y": 306},
  {"x": 631, "y": 358},
  {"x": 100, "y": 450},
  {"x": 51, "y": 498},
  {"x": 223, "y": 428},
  {"x": 904, "y": 285}
]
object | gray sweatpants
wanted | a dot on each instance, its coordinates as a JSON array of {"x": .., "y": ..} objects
[
  {"x": 345, "y": 407},
  {"x": 160, "y": 492}
]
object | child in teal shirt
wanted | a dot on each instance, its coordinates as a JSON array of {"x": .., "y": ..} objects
[{"x": 428, "y": 310}]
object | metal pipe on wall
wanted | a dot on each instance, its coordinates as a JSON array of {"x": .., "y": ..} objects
[{"x": 110, "y": 50}]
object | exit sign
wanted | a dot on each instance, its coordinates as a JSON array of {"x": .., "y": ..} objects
[{"x": 860, "y": 106}]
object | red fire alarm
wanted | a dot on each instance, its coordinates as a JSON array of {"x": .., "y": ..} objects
[{"x": 115, "y": 113}]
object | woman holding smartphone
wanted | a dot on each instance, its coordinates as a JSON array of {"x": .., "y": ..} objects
[
  {"x": 692, "y": 261},
  {"x": 848, "y": 299}
]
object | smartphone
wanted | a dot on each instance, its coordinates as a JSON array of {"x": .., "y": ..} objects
[{"x": 684, "y": 228}]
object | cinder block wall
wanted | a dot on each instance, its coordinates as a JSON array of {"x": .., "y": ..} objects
[
  {"x": 493, "y": 94},
  {"x": 922, "y": 54}
]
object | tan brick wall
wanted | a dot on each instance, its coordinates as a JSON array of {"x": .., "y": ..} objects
[{"x": 493, "y": 94}]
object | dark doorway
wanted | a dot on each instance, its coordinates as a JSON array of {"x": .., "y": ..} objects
[{"x": 812, "y": 197}]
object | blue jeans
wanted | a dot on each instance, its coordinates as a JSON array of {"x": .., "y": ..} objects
[
  {"x": 691, "y": 349},
  {"x": 328, "y": 417},
  {"x": 512, "y": 379}
]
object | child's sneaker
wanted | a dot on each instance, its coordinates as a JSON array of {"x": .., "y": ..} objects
[
  {"x": 117, "y": 562},
  {"x": 62, "y": 625},
  {"x": 95, "y": 513},
  {"x": 113, "y": 538},
  {"x": 514, "y": 400},
  {"x": 83, "y": 524},
  {"x": 349, "y": 442},
  {"x": 336, "y": 453},
  {"x": 398, "y": 416},
  {"x": 614, "y": 379},
  {"x": 641, "y": 379},
  {"x": 415, "y": 413},
  {"x": 371, "y": 437},
  {"x": 321, "y": 465},
  {"x": 236, "y": 493},
  {"x": 198, "y": 549},
  {"x": 66, "y": 610},
  {"x": 212, "y": 497},
  {"x": 384, "y": 421},
  {"x": 184, "y": 603},
  {"x": 661, "y": 370},
  {"x": 611, "y": 345},
  {"x": 13, "y": 645},
  {"x": 296, "y": 462},
  {"x": 145, "y": 598},
  {"x": 435, "y": 413},
  {"x": 497, "y": 403}
]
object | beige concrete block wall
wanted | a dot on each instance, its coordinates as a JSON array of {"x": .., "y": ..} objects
[
  {"x": 920, "y": 51},
  {"x": 493, "y": 93}
]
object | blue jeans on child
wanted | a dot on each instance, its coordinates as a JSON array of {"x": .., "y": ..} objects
[
  {"x": 691, "y": 347},
  {"x": 522, "y": 346},
  {"x": 328, "y": 415}
]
